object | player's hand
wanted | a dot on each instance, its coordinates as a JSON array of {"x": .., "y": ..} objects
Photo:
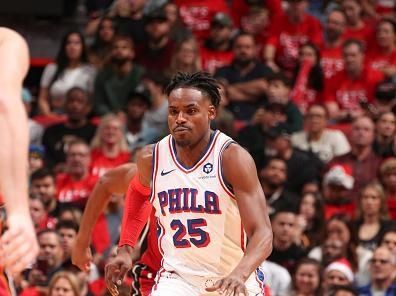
[
  {"x": 232, "y": 285},
  {"x": 19, "y": 246},
  {"x": 81, "y": 255},
  {"x": 116, "y": 270}
]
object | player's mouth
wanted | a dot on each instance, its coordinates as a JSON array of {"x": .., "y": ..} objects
[{"x": 180, "y": 129}]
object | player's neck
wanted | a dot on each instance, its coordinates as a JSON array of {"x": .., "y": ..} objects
[{"x": 189, "y": 155}]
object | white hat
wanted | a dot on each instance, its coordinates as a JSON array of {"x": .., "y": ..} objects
[
  {"x": 342, "y": 266},
  {"x": 339, "y": 174}
]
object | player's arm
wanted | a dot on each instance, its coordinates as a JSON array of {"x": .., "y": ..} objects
[
  {"x": 19, "y": 246},
  {"x": 113, "y": 182},
  {"x": 136, "y": 213},
  {"x": 254, "y": 215}
]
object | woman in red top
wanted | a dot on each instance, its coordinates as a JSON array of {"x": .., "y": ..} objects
[{"x": 109, "y": 146}]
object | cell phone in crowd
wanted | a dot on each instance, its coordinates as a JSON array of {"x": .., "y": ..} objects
[{"x": 42, "y": 265}]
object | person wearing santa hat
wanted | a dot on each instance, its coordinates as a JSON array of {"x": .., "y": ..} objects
[
  {"x": 337, "y": 185},
  {"x": 336, "y": 273}
]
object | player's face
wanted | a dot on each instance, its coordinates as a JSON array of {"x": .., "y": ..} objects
[{"x": 189, "y": 115}]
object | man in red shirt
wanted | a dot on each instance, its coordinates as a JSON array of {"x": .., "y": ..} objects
[
  {"x": 349, "y": 91},
  {"x": 331, "y": 50},
  {"x": 196, "y": 15},
  {"x": 216, "y": 51},
  {"x": 382, "y": 56},
  {"x": 75, "y": 185},
  {"x": 290, "y": 31}
]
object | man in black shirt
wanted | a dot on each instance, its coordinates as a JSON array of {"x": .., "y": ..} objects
[
  {"x": 245, "y": 79},
  {"x": 57, "y": 137},
  {"x": 285, "y": 251},
  {"x": 273, "y": 179}
]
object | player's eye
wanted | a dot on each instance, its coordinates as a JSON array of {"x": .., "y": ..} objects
[{"x": 192, "y": 111}]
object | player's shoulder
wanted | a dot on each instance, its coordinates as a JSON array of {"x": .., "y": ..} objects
[{"x": 235, "y": 154}]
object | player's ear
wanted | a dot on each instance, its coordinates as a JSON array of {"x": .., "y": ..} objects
[{"x": 212, "y": 112}]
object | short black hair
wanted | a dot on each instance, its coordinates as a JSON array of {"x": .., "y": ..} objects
[
  {"x": 202, "y": 81},
  {"x": 41, "y": 174},
  {"x": 67, "y": 224}
]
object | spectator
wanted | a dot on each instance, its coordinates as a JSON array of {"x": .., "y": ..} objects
[
  {"x": 310, "y": 220},
  {"x": 216, "y": 51},
  {"x": 117, "y": 79},
  {"x": 109, "y": 146},
  {"x": 35, "y": 129},
  {"x": 64, "y": 284},
  {"x": 49, "y": 260},
  {"x": 317, "y": 138},
  {"x": 333, "y": 249},
  {"x": 382, "y": 56},
  {"x": 362, "y": 159},
  {"x": 385, "y": 95},
  {"x": 197, "y": 14},
  {"x": 36, "y": 158},
  {"x": 280, "y": 143},
  {"x": 387, "y": 172},
  {"x": 67, "y": 231},
  {"x": 185, "y": 58},
  {"x": 356, "y": 27},
  {"x": 382, "y": 269},
  {"x": 257, "y": 21},
  {"x": 100, "y": 50},
  {"x": 290, "y": 31},
  {"x": 177, "y": 29},
  {"x": 336, "y": 274},
  {"x": 70, "y": 70},
  {"x": 308, "y": 78},
  {"x": 331, "y": 50},
  {"x": 385, "y": 129},
  {"x": 156, "y": 116},
  {"x": 379, "y": 8},
  {"x": 340, "y": 227},
  {"x": 337, "y": 185},
  {"x": 42, "y": 184},
  {"x": 389, "y": 240},
  {"x": 75, "y": 185},
  {"x": 39, "y": 214},
  {"x": 254, "y": 137},
  {"x": 129, "y": 20},
  {"x": 279, "y": 90},
  {"x": 372, "y": 218},
  {"x": 57, "y": 137},
  {"x": 285, "y": 251},
  {"x": 138, "y": 133},
  {"x": 273, "y": 178},
  {"x": 307, "y": 278},
  {"x": 224, "y": 120},
  {"x": 70, "y": 213},
  {"x": 277, "y": 278},
  {"x": 156, "y": 53},
  {"x": 349, "y": 92},
  {"x": 245, "y": 79}
]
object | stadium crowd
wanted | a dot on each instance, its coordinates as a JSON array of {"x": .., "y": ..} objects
[{"x": 308, "y": 88}]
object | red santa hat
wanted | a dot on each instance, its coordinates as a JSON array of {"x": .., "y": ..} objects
[
  {"x": 343, "y": 266},
  {"x": 339, "y": 174}
]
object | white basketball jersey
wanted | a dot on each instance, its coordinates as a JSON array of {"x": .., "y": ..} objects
[{"x": 201, "y": 230}]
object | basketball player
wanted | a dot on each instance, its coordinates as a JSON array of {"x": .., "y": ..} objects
[
  {"x": 18, "y": 245},
  {"x": 206, "y": 193},
  {"x": 116, "y": 182}
]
